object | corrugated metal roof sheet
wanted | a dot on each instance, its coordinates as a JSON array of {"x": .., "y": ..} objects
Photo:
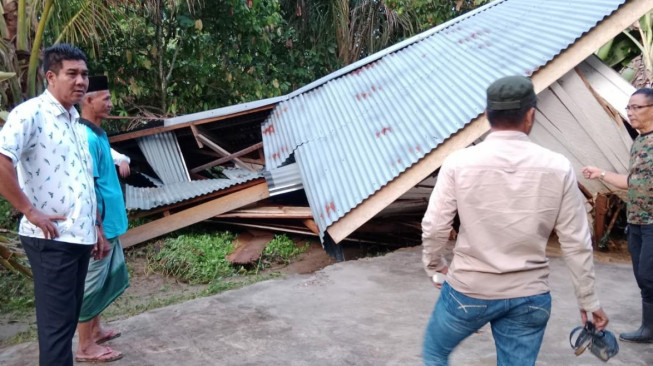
[
  {"x": 140, "y": 198},
  {"x": 284, "y": 179},
  {"x": 224, "y": 111},
  {"x": 354, "y": 134},
  {"x": 164, "y": 156}
]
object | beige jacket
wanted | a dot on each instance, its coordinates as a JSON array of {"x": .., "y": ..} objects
[{"x": 510, "y": 194}]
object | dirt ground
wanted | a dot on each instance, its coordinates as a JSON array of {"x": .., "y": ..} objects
[{"x": 149, "y": 289}]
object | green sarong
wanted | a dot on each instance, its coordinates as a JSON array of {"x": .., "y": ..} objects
[{"x": 106, "y": 280}]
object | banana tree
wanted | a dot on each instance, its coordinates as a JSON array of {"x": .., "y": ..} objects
[
  {"x": 631, "y": 53},
  {"x": 644, "y": 72}
]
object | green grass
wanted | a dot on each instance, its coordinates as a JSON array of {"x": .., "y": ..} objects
[
  {"x": 8, "y": 216},
  {"x": 282, "y": 249},
  {"x": 17, "y": 295},
  {"x": 194, "y": 259}
]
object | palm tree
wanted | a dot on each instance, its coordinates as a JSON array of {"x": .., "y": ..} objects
[{"x": 80, "y": 22}]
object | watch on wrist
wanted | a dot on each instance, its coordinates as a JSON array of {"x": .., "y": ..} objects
[{"x": 602, "y": 175}]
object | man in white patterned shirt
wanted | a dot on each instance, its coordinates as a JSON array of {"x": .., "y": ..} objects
[{"x": 46, "y": 173}]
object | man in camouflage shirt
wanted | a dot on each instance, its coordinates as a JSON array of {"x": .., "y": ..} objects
[{"x": 639, "y": 183}]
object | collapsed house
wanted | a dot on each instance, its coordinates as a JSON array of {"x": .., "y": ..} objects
[{"x": 365, "y": 142}]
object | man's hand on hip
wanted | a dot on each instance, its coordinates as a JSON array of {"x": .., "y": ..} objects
[{"x": 44, "y": 222}]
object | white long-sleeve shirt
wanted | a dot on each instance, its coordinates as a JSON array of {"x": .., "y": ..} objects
[{"x": 510, "y": 194}]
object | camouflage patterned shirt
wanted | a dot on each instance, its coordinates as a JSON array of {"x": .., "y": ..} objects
[{"x": 640, "y": 181}]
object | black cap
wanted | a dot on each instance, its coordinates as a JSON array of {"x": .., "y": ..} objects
[
  {"x": 97, "y": 83},
  {"x": 510, "y": 92}
]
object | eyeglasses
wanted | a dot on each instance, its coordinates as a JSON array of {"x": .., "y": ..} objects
[{"x": 637, "y": 108}]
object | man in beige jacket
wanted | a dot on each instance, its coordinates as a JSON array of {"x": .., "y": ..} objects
[{"x": 510, "y": 195}]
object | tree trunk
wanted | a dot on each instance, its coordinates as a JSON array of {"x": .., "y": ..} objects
[
  {"x": 34, "y": 56},
  {"x": 21, "y": 32}
]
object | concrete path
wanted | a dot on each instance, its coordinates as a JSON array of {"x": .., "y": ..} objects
[{"x": 367, "y": 312}]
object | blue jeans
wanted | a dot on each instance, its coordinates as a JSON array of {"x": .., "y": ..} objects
[
  {"x": 517, "y": 326},
  {"x": 640, "y": 246}
]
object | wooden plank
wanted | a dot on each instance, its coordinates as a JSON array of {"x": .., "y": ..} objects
[
  {"x": 194, "y": 215},
  {"x": 193, "y": 129},
  {"x": 154, "y": 131},
  {"x": 311, "y": 225},
  {"x": 250, "y": 247},
  {"x": 266, "y": 227},
  {"x": 270, "y": 212},
  {"x": 217, "y": 148},
  {"x": 227, "y": 158},
  {"x": 253, "y": 161},
  {"x": 565, "y": 61}
]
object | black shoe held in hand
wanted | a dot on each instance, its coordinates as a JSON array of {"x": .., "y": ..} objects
[{"x": 603, "y": 344}]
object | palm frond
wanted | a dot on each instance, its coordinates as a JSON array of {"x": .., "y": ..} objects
[{"x": 86, "y": 23}]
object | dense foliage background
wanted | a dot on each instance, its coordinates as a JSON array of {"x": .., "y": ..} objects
[{"x": 171, "y": 57}]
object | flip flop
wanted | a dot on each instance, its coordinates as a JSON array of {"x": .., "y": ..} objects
[
  {"x": 112, "y": 335},
  {"x": 109, "y": 355}
]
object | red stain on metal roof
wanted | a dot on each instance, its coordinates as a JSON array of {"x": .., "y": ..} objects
[
  {"x": 418, "y": 148},
  {"x": 474, "y": 35},
  {"x": 331, "y": 206},
  {"x": 384, "y": 131},
  {"x": 269, "y": 130},
  {"x": 399, "y": 161},
  {"x": 528, "y": 72},
  {"x": 358, "y": 97},
  {"x": 364, "y": 95},
  {"x": 285, "y": 109},
  {"x": 460, "y": 41},
  {"x": 410, "y": 150},
  {"x": 373, "y": 88}
]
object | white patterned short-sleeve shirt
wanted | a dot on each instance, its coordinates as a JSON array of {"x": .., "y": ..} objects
[{"x": 48, "y": 146}]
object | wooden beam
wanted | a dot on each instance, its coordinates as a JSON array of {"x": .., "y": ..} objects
[
  {"x": 194, "y": 215},
  {"x": 266, "y": 227},
  {"x": 311, "y": 225},
  {"x": 270, "y": 212},
  {"x": 193, "y": 129},
  {"x": 155, "y": 130},
  {"x": 547, "y": 75},
  {"x": 227, "y": 158},
  {"x": 252, "y": 161},
  {"x": 217, "y": 148}
]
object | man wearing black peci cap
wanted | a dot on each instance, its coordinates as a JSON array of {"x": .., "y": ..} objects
[
  {"x": 107, "y": 277},
  {"x": 510, "y": 195}
]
